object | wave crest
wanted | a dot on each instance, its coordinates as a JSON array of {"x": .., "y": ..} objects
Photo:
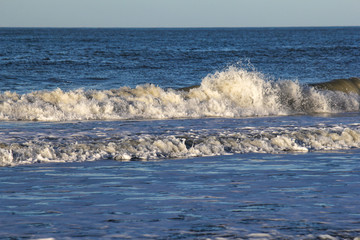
[{"x": 234, "y": 92}]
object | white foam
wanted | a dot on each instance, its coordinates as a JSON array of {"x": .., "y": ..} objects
[
  {"x": 234, "y": 92},
  {"x": 189, "y": 144}
]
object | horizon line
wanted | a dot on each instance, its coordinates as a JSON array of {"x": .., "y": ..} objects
[{"x": 77, "y": 27}]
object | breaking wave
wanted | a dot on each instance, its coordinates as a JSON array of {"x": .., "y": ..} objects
[
  {"x": 234, "y": 92},
  {"x": 185, "y": 145}
]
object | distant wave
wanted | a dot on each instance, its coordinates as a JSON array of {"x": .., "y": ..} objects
[
  {"x": 351, "y": 85},
  {"x": 234, "y": 92}
]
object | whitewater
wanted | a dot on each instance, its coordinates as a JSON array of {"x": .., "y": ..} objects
[
  {"x": 244, "y": 133},
  {"x": 233, "y": 92}
]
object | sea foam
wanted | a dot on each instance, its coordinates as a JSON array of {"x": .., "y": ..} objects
[
  {"x": 193, "y": 143},
  {"x": 234, "y": 92}
]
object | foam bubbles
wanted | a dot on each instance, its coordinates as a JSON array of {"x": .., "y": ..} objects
[
  {"x": 234, "y": 92},
  {"x": 188, "y": 144}
]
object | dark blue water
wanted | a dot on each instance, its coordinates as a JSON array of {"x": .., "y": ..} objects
[
  {"x": 36, "y": 59},
  {"x": 250, "y": 196},
  {"x": 97, "y": 140}
]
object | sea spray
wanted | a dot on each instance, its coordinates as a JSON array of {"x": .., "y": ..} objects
[{"x": 234, "y": 92}]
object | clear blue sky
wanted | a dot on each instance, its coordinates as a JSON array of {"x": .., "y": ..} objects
[{"x": 178, "y": 13}]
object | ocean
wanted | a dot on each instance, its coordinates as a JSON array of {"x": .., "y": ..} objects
[{"x": 223, "y": 133}]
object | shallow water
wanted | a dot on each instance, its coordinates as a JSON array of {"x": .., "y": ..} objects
[
  {"x": 277, "y": 196},
  {"x": 43, "y": 142}
]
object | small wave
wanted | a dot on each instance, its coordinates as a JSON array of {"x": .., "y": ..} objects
[
  {"x": 234, "y": 92},
  {"x": 188, "y": 144},
  {"x": 351, "y": 85}
]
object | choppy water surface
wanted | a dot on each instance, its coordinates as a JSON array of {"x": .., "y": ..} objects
[
  {"x": 54, "y": 80},
  {"x": 33, "y": 142},
  {"x": 250, "y": 196},
  {"x": 100, "y": 140}
]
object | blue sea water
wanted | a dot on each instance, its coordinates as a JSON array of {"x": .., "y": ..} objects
[{"x": 98, "y": 138}]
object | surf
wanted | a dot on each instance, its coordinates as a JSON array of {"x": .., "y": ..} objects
[
  {"x": 346, "y": 85},
  {"x": 231, "y": 93},
  {"x": 350, "y": 85},
  {"x": 184, "y": 143}
]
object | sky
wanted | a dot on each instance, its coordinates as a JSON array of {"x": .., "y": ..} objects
[{"x": 178, "y": 13}]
